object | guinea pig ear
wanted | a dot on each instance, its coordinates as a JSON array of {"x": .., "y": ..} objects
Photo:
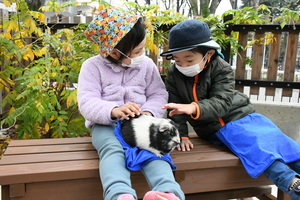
[{"x": 163, "y": 127}]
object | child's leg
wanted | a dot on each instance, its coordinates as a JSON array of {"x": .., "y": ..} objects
[
  {"x": 295, "y": 166},
  {"x": 114, "y": 176},
  {"x": 160, "y": 178},
  {"x": 281, "y": 175}
]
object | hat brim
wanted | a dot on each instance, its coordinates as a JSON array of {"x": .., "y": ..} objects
[{"x": 210, "y": 43}]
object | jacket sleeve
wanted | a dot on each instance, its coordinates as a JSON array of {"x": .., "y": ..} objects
[
  {"x": 174, "y": 97},
  {"x": 220, "y": 94},
  {"x": 91, "y": 105}
]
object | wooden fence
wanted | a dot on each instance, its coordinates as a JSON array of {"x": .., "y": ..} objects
[
  {"x": 274, "y": 74},
  {"x": 274, "y": 66}
]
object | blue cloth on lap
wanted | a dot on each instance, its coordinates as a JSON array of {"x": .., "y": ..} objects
[
  {"x": 258, "y": 142},
  {"x": 137, "y": 158}
]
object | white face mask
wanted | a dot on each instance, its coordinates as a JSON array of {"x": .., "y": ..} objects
[
  {"x": 134, "y": 61},
  {"x": 192, "y": 70}
]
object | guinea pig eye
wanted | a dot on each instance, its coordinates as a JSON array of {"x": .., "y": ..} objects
[
  {"x": 163, "y": 128},
  {"x": 173, "y": 131}
]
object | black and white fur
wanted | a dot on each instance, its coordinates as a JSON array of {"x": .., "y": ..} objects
[{"x": 157, "y": 135}]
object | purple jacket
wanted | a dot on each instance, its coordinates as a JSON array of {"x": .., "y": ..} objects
[{"x": 103, "y": 86}]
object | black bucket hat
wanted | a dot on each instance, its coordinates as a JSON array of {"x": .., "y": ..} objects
[{"x": 189, "y": 34}]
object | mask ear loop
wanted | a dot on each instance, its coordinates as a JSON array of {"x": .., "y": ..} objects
[
  {"x": 207, "y": 62},
  {"x": 123, "y": 54}
]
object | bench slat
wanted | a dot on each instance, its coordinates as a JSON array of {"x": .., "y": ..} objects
[
  {"x": 48, "y": 171},
  {"x": 48, "y": 157},
  {"x": 53, "y": 141},
  {"x": 73, "y": 144},
  {"x": 48, "y": 149}
]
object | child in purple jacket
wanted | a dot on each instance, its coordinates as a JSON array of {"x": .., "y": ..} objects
[{"x": 119, "y": 83}]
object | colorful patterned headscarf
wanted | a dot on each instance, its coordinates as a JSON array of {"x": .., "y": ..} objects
[{"x": 109, "y": 27}]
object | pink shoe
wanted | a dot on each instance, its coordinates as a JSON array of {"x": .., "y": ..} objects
[
  {"x": 126, "y": 197},
  {"x": 155, "y": 195}
]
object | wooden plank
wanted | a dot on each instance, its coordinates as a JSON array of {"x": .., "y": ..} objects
[
  {"x": 290, "y": 61},
  {"x": 48, "y": 157},
  {"x": 17, "y": 190},
  {"x": 5, "y": 192},
  {"x": 53, "y": 19},
  {"x": 4, "y": 14},
  {"x": 273, "y": 63},
  {"x": 53, "y": 141},
  {"x": 49, "y": 171},
  {"x": 77, "y": 19},
  {"x": 282, "y": 196},
  {"x": 189, "y": 161},
  {"x": 230, "y": 194},
  {"x": 165, "y": 62},
  {"x": 266, "y": 197},
  {"x": 241, "y": 59},
  {"x": 218, "y": 179},
  {"x": 88, "y": 19},
  {"x": 48, "y": 149},
  {"x": 257, "y": 60},
  {"x": 200, "y": 148},
  {"x": 80, "y": 189}
]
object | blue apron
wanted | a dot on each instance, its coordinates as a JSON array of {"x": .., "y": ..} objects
[
  {"x": 258, "y": 142},
  {"x": 137, "y": 158}
]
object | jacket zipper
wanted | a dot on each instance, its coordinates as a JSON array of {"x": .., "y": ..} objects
[{"x": 196, "y": 98}]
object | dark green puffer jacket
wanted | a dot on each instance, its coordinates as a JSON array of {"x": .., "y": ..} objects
[{"x": 216, "y": 95}]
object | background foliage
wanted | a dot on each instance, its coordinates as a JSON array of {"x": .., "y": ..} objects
[{"x": 39, "y": 69}]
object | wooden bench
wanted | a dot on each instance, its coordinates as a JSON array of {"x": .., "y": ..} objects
[{"x": 68, "y": 169}]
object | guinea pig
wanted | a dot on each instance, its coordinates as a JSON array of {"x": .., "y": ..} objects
[{"x": 157, "y": 135}]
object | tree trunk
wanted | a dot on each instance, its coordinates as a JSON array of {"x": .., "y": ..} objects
[
  {"x": 167, "y": 4},
  {"x": 213, "y": 6},
  {"x": 194, "y": 7},
  {"x": 35, "y": 4},
  {"x": 233, "y": 3},
  {"x": 204, "y": 8}
]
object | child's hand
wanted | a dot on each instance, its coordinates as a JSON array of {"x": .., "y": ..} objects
[
  {"x": 186, "y": 145},
  {"x": 128, "y": 109},
  {"x": 178, "y": 109}
]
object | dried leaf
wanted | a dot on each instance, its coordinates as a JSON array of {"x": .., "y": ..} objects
[{"x": 4, "y": 142}]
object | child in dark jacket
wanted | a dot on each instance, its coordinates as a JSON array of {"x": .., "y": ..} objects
[{"x": 201, "y": 91}]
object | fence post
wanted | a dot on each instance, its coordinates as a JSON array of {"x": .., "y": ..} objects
[
  {"x": 226, "y": 50},
  {"x": 290, "y": 61},
  {"x": 257, "y": 62},
  {"x": 89, "y": 19},
  {"x": 273, "y": 63}
]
